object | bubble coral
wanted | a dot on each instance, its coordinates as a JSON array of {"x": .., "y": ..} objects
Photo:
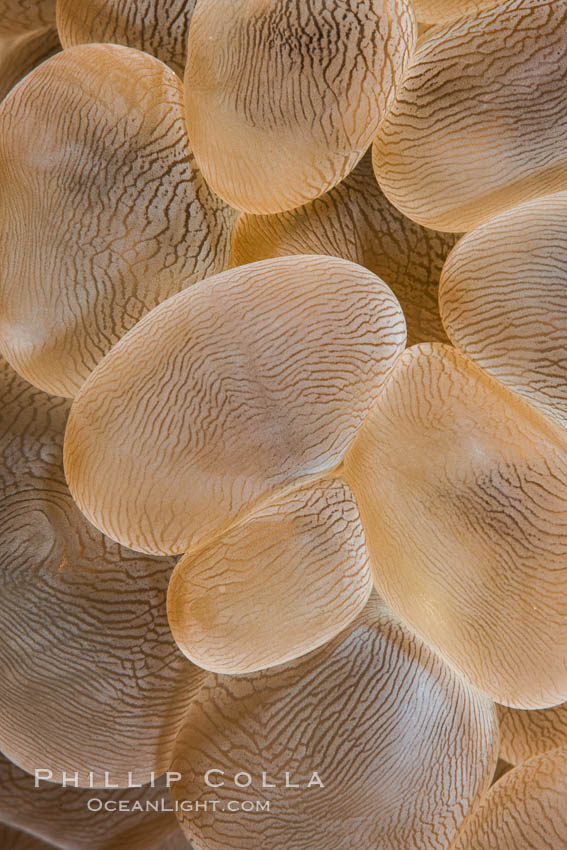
[
  {"x": 265, "y": 424},
  {"x": 441, "y": 11},
  {"x": 21, "y": 54},
  {"x": 524, "y": 810},
  {"x": 301, "y": 561},
  {"x": 357, "y": 222},
  {"x": 103, "y": 213},
  {"x": 452, "y": 152},
  {"x": 158, "y": 27},
  {"x": 18, "y": 16},
  {"x": 91, "y": 677},
  {"x": 15, "y": 839},
  {"x": 461, "y": 487},
  {"x": 524, "y": 734},
  {"x": 503, "y": 300},
  {"x": 283, "y": 99},
  {"x": 401, "y": 744},
  {"x": 239, "y": 388}
]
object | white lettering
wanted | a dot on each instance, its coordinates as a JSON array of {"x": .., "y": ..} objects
[
  {"x": 107, "y": 782},
  {"x": 265, "y": 783},
  {"x": 131, "y": 783},
  {"x": 315, "y": 780},
  {"x": 289, "y": 784},
  {"x": 41, "y": 773},
  {"x": 214, "y": 784}
]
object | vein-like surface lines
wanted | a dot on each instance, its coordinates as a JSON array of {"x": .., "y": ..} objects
[
  {"x": 479, "y": 124},
  {"x": 525, "y": 810},
  {"x": 281, "y": 584},
  {"x": 61, "y": 816},
  {"x": 103, "y": 213},
  {"x": 18, "y": 16},
  {"x": 226, "y": 395},
  {"x": 401, "y": 745},
  {"x": 440, "y": 11},
  {"x": 91, "y": 677},
  {"x": 503, "y": 300},
  {"x": 283, "y": 98},
  {"x": 527, "y": 733},
  {"x": 158, "y": 27},
  {"x": 15, "y": 839},
  {"x": 20, "y": 55},
  {"x": 356, "y": 221},
  {"x": 462, "y": 491}
]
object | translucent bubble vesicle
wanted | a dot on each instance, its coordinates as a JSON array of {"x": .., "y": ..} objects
[
  {"x": 401, "y": 745},
  {"x": 478, "y": 125},
  {"x": 462, "y": 492},
  {"x": 226, "y": 395},
  {"x": 281, "y": 584},
  {"x": 158, "y": 27},
  {"x": 283, "y": 99},
  {"x": 503, "y": 300},
  {"x": 103, "y": 212}
]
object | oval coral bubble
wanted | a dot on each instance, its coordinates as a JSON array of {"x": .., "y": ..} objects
[
  {"x": 452, "y": 152},
  {"x": 251, "y": 382},
  {"x": 103, "y": 213},
  {"x": 503, "y": 300},
  {"x": 441, "y": 11},
  {"x": 524, "y": 734},
  {"x": 462, "y": 492},
  {"x": 158, "y": 27},
  {"x": 401, "y": 745},
  {"x": 282, "y": 583},
  {"x": 299, "y": 90},
  {"x": 525, "y": 810}
]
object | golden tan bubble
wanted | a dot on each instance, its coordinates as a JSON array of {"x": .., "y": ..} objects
[
  {"x": 158, "y": 27},
  {"x": 503, "y": 300},
  {"x": 461, "y": 487},
  {"x": 400, "y": 743},
  {"x": 228, "y": 394},
  {"x": 299, "y": 90},
  {"x": 524, "y": 734},
  {"x": 440, "y": 11},
  {"x": 478, "y": 125},
  {"x": 276, "y": 587},
  {"x": 103, "y": 213},
  {"x": 525, "y": 810}
]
